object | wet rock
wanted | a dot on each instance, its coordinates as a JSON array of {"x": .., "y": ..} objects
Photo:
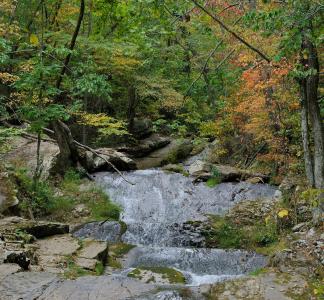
[
  {"x": 189, "y": 234},
  {"x": 94, "y": 163},
  {"x": 109, "y": 231},
  {"x": 177, "y": 168},
  {"x": 269, "y": 286}
]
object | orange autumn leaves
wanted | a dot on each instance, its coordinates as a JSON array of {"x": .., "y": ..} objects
[{"x": 265, "y": 109}]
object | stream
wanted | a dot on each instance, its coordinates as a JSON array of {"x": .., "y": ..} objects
[{"x": 157, "y": 209}]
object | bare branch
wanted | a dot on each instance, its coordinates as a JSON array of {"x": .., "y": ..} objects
[{"x": 222, "y": 24}]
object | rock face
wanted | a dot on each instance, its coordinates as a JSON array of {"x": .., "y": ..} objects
[
  {"x": 94, "y": 163},
  {"x": 24, "y": 152}
]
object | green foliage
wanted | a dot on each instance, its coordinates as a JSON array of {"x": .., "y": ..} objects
[
  {"x": 215, "y": 179},
  {"x": 38, "y": 197},
  {"x": 6, "y": 134},
  {"x": 313, "y": 196},
  {"x": 99, "y": 269},
  {"x": 117, "y": 251},
  {"x": 172, "y": 275},
  {"x": 73, "y": 271},
  {"x": 104, "y": 210},
  {"x": 4, "y": 50},
  {"x": 266, "y": 235},
  {"x": 40, "y": 117},
  {"x": 226, "y": 234},
  {"x": 258, "y": 272},
  {"x": 93, "y": 85}
]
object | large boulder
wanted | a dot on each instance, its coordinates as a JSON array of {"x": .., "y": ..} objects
[
  {"x": 142, "y": 128},
  {"x": 94, "y": 163},
  {"x": 178, "y": 153},
  {"x": 203, "y": 170},
  {"x": 146, "y": 146},
  {"x": 109, "y": 231},
  {"x": 23, "y": 153}
]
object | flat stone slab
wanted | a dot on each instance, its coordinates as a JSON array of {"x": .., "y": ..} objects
[
  {"x": 8, "y": 269},
  {"x": 26, "y": 285},
  {"x": 94, "y": 250},
  {"x": 97, "y": 288},
  {"x": 86, "y": 263},
  {"x": 58, "y": 245}
]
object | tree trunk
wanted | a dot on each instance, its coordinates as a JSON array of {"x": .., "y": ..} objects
[
  {"x": 311, "y": 65},
  {"x": 305, "y": 134},
  {"x": 131, "y": 107},
  {"x": 68, "y": 156}
]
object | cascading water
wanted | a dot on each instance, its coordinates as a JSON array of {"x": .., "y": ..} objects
[{"x": 156, "y": 207}]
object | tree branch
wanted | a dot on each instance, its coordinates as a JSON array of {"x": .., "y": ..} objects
[
  {"x": 203, "y": 69},
  {"x": 243, "y": 41}
]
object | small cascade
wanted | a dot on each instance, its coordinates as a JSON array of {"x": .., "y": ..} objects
[
  {"x": 164, "y": 212},
  {"x": 158, "y": 204}
]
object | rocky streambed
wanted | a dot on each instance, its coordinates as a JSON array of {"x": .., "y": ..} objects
[{"x": 156, "y": 252}]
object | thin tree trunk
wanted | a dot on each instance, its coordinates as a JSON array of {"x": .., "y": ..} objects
[
  {"x": 305, "y": 135},
  {"x": 68, "y": 156},
  {"x": 131, "y": 107},
  {"x": 72, "y": 44},
  {"x": 314, "y": 110}
]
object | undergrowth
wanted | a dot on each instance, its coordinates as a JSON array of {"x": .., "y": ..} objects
[{"x": 45, "y": 198}]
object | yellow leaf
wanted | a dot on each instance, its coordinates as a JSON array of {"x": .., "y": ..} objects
[
  {"x": 34, "y": 39},
  {"x": 283, "y": 213},
  {"x": 267, "y": 219}
]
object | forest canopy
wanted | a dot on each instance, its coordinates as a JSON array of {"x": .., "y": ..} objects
[{"x": 247, "y": 73}]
